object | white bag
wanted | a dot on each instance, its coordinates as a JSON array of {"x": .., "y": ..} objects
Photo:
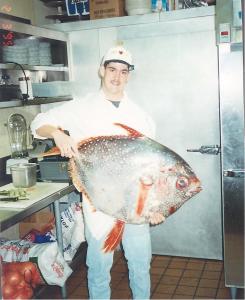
[
  {"x": 72, "y": 230},
  {"x": 51, "y": 263}
]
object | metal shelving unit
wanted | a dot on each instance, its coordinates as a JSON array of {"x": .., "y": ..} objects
[
  {"x": 58, "y": 70},
  {"x": 35, "y": 101},
  {"x": 55, "y": 67}
]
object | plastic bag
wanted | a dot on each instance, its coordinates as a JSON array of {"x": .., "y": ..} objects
[{"x": 72, "y": 230}]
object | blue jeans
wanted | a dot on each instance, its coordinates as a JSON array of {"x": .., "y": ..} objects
[{"x": 137, "y": 247}]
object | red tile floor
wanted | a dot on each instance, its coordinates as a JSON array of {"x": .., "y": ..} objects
[{"x": 172, "y": 278}]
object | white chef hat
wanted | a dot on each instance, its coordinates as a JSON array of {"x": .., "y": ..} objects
[{"x": 118, "y": 54}]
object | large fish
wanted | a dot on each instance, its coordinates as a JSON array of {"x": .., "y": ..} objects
[{"x": 130, "y": 177}]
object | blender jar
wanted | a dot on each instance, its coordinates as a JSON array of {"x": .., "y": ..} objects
[{"x": 17, "y": 131}]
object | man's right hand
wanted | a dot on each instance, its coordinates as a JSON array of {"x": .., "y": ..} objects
[{"x": 66, "y": 144}]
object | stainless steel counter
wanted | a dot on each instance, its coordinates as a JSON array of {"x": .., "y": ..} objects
[{"x": 12, "y": 215}]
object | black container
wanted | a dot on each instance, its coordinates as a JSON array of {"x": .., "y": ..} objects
[
  {"x": 54, "y": 170},
  {"x": 10, "y": 92}
]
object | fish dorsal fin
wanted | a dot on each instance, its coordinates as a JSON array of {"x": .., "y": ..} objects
[{"x": 131, "y": 132}]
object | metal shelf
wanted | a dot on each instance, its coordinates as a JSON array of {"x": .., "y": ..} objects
[
  {"x": 35, "y": 101},
  {"x": 56, "y": 68}
]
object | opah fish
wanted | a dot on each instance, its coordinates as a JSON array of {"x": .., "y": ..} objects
[{"x": 130, "y": 177}]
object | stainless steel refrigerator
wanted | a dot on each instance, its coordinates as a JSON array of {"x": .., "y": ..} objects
[
  {"x": 232, "y": 160},
  {"x": 231, "y": 91}
]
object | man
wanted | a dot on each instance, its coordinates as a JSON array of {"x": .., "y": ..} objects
[{"x": 92, "y": 116}]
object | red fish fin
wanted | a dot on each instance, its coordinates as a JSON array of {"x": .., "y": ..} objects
[
  {"x": 114, "y": 237},
  {"x": 143, "y": 193},
  {"x": 53, "y": 151},
  {"x": 132, "y": 132}
]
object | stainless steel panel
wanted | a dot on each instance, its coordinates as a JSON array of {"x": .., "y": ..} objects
[{"x": 232, "y": 147}]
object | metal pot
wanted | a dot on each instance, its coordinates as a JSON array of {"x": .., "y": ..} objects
[{"x": 24, "y": 175}]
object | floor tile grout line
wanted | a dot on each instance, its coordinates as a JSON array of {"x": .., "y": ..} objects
[
  {"x": 177, "y": 285},
  {"x": 220, "y": 276},
  {"x": 197, "y": 286},
  {"x": 163, "y": 273}
]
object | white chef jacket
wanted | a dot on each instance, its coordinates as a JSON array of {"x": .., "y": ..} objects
[{"x": 92, "y": 116}]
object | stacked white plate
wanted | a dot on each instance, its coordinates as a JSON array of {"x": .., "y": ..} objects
[
  {"x": 45, "y": 54},
  {"x": 32, "y": 46},
  {"x": 28, "y": 51},
  {"x": 33, "y": 56},
  {"x": 16, "y": 54}
]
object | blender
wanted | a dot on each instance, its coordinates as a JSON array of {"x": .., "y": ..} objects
[{"x": 17, "y": 131}]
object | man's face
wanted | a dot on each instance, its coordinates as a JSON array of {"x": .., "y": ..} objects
[{"x": 114, "y": 77}]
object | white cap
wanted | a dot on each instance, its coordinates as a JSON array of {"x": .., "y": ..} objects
[{"x": 118, "y": 54}]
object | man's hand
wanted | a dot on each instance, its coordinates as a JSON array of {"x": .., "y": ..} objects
[
  {"x": 66, "y": 144},
  {"x": 156, "y": 218}
]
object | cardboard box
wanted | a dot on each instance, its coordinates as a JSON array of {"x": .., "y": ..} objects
[
  {"x": 38, "y": 221},
  {"x": 100, "y": 9}
]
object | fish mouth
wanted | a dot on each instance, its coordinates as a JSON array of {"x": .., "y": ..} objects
[{"x": 195, "y": 191}]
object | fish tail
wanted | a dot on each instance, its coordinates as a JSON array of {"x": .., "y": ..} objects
[{"x": 114, "y": 237}]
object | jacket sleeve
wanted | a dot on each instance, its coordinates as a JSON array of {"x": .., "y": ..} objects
[{"x": 59, "y": 116}]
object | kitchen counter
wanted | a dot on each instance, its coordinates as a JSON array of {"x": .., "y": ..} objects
[{"x": 40, "y": 196}]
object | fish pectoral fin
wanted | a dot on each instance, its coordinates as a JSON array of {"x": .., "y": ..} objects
[
  {"x": 132, "y": 132},
  {"x": 51, "y": 152},
  {"x": 143, "y": 193},
  {"x": 114, "y": 237}
]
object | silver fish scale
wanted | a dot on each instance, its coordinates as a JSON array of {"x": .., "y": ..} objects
[{"x": 114, "y": 170}]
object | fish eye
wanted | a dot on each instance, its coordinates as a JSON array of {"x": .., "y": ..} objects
[{"x": 182, "y": 182}]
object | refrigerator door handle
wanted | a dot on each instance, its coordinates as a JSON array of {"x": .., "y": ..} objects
[
  {"x": 234, "y": 173},
  {"x": 208, "y": 149}
]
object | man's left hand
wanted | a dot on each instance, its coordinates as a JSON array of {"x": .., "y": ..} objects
[{"x": 156, "y": 218}]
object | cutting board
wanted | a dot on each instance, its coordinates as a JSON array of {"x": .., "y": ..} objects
[{"x": 34, "y": 194}]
